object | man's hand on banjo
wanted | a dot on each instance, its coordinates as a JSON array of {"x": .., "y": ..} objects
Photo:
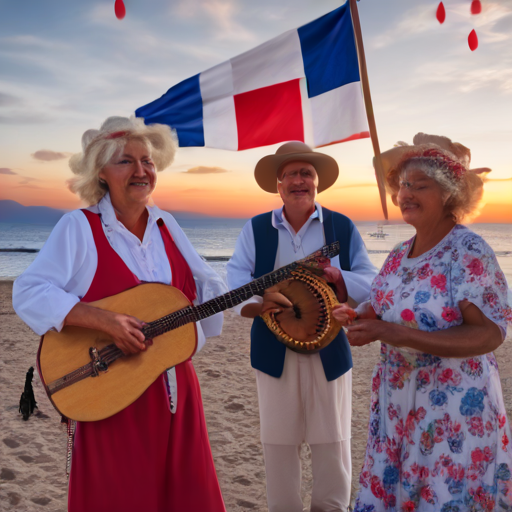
[
  {"x": 274, "y": 301},
  {"x": 334, "y": 277}
]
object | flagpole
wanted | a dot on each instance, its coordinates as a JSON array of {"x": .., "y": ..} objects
[{"x": 379, "y": 170}]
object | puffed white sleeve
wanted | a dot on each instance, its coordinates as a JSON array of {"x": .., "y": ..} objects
[
  {"x": 59, "y": 276},
  {"x": 362, "y": 271},
  {"x": 240, "y": 268},
  {"x": 208, "y": 283}
]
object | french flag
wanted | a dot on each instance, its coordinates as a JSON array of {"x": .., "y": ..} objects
[{"x": 302, "y": 85}]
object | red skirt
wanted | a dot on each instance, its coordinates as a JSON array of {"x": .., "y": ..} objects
[{"x": 145, "y": 459}]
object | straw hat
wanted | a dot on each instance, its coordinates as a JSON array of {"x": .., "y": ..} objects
[
  {"x": 266, "y": 169},
  {"x": 422, "y": 142}
]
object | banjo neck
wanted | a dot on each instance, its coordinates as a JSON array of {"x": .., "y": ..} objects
[{"x": 234, "y": 297}]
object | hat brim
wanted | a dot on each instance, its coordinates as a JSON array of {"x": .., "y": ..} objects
[
  {"x": 266, "y": 169},
  {"x": 392, "y": 157}
]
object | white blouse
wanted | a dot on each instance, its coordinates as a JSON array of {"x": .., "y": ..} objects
[{"x": 65, "y": 267}]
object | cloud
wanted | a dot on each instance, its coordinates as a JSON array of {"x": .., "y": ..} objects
[
  {"x": 25, "y": 118},
  {"x": 46, "y": 155},
  {"x": 9, "y": 100},
  {"x": 6, "y": 170},
  {"x": 23, "y": 185},
  {"x": 221, "y": 15},
  {"x": 470, "y": 80},
  {"x": 25, "y": 180},
  {"x": 205, "y": 170},
  {"x": 414, "y": 22},
  {"x": 492, "y": 25},
  {"x": 31, "y": 41}
]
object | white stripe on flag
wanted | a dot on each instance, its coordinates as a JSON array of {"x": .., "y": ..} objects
[
  {"x": 306, "y": 113},
  {"x": 216, "y": 82},
  {"x": 276, "y": 61},
  {"x": 219, "y": 119},
  {"x": 219, "y": 124},
  {"x": 338, "y": 114}
]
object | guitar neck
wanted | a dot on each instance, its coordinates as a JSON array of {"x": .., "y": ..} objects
[{"x": 232, "y": 298}]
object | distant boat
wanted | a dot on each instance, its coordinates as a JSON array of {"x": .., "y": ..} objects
[{"x": 379, "y": 233}]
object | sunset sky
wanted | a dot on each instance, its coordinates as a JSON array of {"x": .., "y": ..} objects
[{"x": 66, "y": 66}]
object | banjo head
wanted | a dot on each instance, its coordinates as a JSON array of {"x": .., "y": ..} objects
[{"x": 308, "y": 326}]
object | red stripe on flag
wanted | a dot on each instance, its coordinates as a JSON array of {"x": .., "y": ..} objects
[
  {"x": 356, "y": 136},
  {"x": 269, "y": 115}
]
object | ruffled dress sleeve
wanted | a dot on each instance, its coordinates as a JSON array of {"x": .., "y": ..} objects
[{"x": 477, "y": 277}]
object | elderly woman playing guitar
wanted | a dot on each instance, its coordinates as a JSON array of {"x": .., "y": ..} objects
[
  {"x": 438, "y": 439},
  {"x": 154, "y": 455}
]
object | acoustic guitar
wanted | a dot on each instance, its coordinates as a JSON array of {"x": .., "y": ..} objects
[{"x": 88, "y": 378}]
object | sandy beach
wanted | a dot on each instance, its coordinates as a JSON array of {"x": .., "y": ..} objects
[{"x": 32, "y": 453}]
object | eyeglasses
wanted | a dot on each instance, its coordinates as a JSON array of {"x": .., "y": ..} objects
[
  {"x": 306, "y": 174},
  {"x": 414, "y": 186}
]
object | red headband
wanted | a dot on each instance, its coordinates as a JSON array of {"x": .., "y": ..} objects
[
  {"x": 456, "y": 168},
  {"x": 116, "y": 135}
]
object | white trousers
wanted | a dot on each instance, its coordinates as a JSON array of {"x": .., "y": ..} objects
[
  {"x": 332, "y": 469},
  {"x": 302, "y": 405}
]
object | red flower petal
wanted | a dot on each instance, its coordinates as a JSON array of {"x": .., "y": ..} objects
[
  {"x": 473, "y": 40},
  {"x": 476, "y": 7},
  {"x": 441, "y": 13},
  {"x": 120, "y": 9}
]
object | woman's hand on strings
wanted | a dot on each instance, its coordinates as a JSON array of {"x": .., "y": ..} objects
[{"x": 125, "y": 330}]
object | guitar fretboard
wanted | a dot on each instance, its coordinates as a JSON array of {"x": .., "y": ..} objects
[
  {"x": 232, "y": 298},
  {"x": 221, "y": 303}
]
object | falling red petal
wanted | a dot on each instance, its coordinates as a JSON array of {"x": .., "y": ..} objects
[
  {"x": 476, "y": 7},
  {"x": 473, "y": 40},
  {"x": 441, "y": 13},
  {"x": 120, "y": 9}
]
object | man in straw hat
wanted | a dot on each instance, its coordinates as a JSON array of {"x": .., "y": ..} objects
[{"x": 302, "y": 397}]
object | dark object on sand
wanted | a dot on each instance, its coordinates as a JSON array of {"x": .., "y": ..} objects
[{"x": 28, "y": 401}]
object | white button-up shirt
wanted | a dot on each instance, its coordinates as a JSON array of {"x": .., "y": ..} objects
[
  {"x": 63, "y": 271},
  {"x": 294, "y": 246}
]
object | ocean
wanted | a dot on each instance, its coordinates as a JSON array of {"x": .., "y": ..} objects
[{"x": 215, "y": 238}]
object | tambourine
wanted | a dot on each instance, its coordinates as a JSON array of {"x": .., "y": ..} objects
[{"x": 308, "y": 326}]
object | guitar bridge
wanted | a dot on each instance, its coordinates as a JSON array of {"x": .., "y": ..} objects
[{"x": 98, "y": 364}]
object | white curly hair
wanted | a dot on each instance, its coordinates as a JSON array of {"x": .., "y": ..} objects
[
  {"x": 99, "y": 146},
  {"x": 444, "y": 161}
]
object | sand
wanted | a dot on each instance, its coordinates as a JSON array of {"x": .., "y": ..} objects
[{"x": 32, "y": 453}]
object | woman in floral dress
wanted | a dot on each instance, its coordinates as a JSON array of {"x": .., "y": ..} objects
[{"x": 439, "y": 438}]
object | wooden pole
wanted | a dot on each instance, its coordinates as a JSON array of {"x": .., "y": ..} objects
[{"x": 379, "y": 171}]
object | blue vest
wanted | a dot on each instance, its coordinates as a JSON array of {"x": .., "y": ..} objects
[{"x": 267, "y": 353}]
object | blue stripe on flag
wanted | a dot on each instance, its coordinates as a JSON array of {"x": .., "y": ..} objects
[
  {"x": 181, "y": 107},
  {"x": 329, "y": 51}
]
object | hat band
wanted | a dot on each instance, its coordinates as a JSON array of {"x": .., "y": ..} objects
[
  {"x": 116, "y": 135},
  {"x": 444, "y": 162}
]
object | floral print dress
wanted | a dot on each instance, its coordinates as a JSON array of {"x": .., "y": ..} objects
[{"x": 438, "y": 439}]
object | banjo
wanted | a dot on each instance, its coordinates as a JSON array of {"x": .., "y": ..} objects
[{"x": 88, "y": 378}]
